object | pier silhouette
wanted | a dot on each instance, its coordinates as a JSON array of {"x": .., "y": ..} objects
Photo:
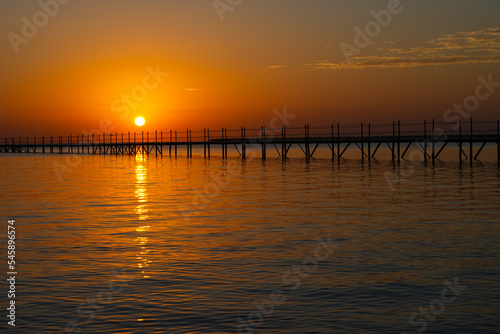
[{"x": 430, "y": 137}]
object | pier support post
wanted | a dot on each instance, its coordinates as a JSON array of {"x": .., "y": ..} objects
[
  {"x": 399, "y": 142},
  {"x": 205, "y": 143},
  {"x": 471, "y": 145},
  {"x": 222, "y": 144},
  {"x": 338, "y": 142},
  {"x": 208, "y": 142},
  {"x": 129, "y": 144},
  {"x": 460, "y": 141},
  {"x": 283, "y": 144},
  {"x": 393, "y": 141},
  {"x": 333, "y": 145},
  {"x": 187, "y": 142},
  {"x": 308, "y": 147},
  {"x": 282, "y": 140},
  {"x": 263, "y": 141},
  {"x": 433, "y": 142},
  {"x": 133, "y": 147},
  {"x": 142, "y": 143},
  {"x": 425, "y": 141},
  {"x": 362, "y": 145},
  {"x": 225, "y": 141},
  {"x": 369, "y": 143},
  {"x": 243, "y": 144}
]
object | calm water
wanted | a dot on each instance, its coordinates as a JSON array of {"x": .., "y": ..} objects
[{"x": 161, "y": 245}]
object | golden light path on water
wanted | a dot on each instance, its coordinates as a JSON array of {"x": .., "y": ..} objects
[{"x": 142, "y": 212}]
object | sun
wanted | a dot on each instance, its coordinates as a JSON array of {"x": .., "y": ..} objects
[{"x": 139, "y": 121}]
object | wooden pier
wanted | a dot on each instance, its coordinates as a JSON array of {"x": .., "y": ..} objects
[{"x": 430, "y": 137}]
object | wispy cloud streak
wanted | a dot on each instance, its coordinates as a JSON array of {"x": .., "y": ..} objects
[{"x": 472, "y": 47}]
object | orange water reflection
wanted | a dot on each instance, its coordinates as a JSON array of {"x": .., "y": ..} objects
[
  {"x": 141, "y": 210},
  {"x": 140, "y": 188}
]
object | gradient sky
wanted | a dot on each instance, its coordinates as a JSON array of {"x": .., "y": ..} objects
[{"x": 265, "y": 54}]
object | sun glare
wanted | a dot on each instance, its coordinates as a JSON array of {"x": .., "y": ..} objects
[{"x": 139, "y": 121}]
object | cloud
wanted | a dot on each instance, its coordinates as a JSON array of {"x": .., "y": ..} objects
[
  {"x": 471, "y": 47},
  {"x": 274, "y": 67}
]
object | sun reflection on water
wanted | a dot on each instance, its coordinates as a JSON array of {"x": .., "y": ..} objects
[
  {"x": 141, "y": 210},
  {"x": 140, "y": 187}
]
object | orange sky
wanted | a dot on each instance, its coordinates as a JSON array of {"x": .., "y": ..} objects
[{"x": 93, "y": 60}]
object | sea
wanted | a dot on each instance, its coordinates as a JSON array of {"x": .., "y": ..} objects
[{"x": 159, "y": 244}]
